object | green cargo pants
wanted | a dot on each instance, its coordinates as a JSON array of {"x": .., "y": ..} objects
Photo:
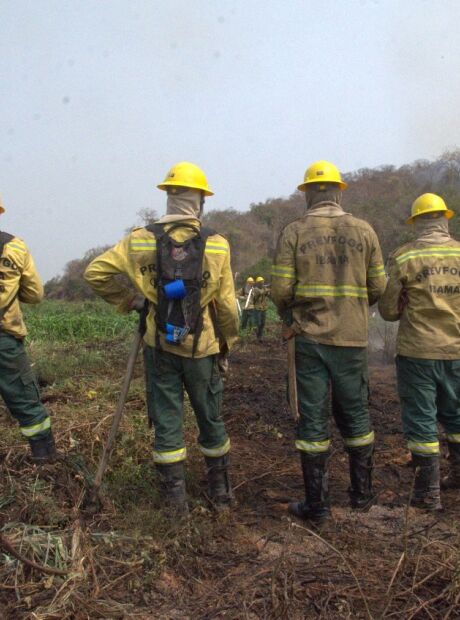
[
  {"x": 19, "y": 389},
  {"x": 323, "y": 370},
  {"x": 429, "y": 391},
  {"x": 247, "y": 318},
  {"x": 259, "y": 321},
  {"x": 166, "y": 377}
]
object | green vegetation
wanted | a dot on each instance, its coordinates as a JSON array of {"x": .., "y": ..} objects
[
  {"x": 69, "y": 341},
  {"x": 89, "y": 321}
]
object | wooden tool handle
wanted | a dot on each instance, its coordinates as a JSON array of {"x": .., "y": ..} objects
[
  {"x": 119, "y": 411},
  {"x": 292, "y": 380}
]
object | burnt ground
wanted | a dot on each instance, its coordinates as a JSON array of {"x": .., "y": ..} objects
[{"x": 128, "y": 561}]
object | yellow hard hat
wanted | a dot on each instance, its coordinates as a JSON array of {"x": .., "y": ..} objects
[
  {"x": 260, "y": 279},
  {"x": 322, "y": 172},
  {"x": 186, "y": 174},
  {"x": 2, "y": 209},
  {"x": 250, "y": 279},
  {"x": 429, "y": 203}
]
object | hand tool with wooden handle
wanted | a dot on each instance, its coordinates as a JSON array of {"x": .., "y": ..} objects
[{"x": 292, "y": 379}]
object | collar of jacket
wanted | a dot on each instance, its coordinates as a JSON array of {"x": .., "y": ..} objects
[
  {"x": 326, "y": 209},
  {"x": 170, "y": 219}
]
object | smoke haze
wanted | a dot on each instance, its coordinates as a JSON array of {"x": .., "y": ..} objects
[{"x": 98, "y": 99}]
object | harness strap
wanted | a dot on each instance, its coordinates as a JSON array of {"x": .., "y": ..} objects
[
  {"x": 205, "y": 232},
  {"x": 159, "y": 232}
]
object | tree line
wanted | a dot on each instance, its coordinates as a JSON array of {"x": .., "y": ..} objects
[{"x": 382, "y": 196}]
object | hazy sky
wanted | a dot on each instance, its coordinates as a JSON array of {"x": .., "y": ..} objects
[{"x": 98, "y": 98}]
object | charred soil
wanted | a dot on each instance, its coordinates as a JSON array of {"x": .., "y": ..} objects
[{"x": 129, "y": 561}]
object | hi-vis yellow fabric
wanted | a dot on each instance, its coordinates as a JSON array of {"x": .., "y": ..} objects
[
  {"x": 173, "y": 456},
  {"x": 20, "y": 281},
  {"x": 328, "y": 269},
  {"x": 428, "y": 270},
  {"x": 135, "y": 256},
  {"x": 31, "y": 431}
]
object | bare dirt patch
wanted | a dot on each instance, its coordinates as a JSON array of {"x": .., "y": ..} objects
[{"x": 128, "y": 561}]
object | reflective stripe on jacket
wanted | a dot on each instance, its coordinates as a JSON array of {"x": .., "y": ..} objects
[
  {"x": 428, "y": 271},
  {"x": 135, "y": 256},
  {"x": 328, "y": 269},
  {"x": 19, "y": 281}
]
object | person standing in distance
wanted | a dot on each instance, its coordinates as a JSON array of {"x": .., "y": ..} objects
[
  {"x": 261, "y": 296},
  {"x": 246, "y": 297}
]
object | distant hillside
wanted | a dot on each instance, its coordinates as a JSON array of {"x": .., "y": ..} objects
[{"x": 382, "y": 196}]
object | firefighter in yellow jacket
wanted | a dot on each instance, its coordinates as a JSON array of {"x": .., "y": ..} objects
[
  {"x": 423, "y": 293},
  {"x": 20, "y": 282},
  {"x": 328, "y": 269},
  {"x": 246, "y": 297},
  {"x": 184, "y": 272},
  {"x": 261, "y": 296}
]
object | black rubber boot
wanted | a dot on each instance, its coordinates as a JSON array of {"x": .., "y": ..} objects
[
  {"x": 452, "y": 480},
  {"x": 260, "y": 333},
  {"x": 361, "y": 461},
  {"x": 426, "y": 493},
  {"x": 172, "y": 487},
  {"x": 219, "y": 488},
  {"x": 316, "y": 507},
  {"x": 43, "y": 450}
]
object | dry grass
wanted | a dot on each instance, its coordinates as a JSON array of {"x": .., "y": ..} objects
[{"x": 129, "y": 561}]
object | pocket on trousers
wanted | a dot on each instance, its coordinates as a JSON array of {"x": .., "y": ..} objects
[
  {"x": 365, "y": 390},
  {"x": 216, "y": 384},
  {"x": 11, "y": 378},
  {"x": 30, "y": 384},
  {"x": 12, "y": 358},
  {"x": 216, "y": 387},
  {"x": 159, "y": 365}
]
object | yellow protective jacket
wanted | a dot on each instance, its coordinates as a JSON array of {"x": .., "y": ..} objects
[
  {"x": 328, "y": 269},
  {"x": 243, "y": 297},
  {"x": 19, "y": 281},
  {"x": 428, "y": 270},
  {"x": 261, "y": 295},
  {"x": 135, "y": 256}
]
